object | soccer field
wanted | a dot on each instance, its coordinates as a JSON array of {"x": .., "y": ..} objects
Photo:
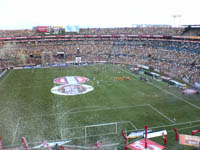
[{"x": 29, "y": 109}]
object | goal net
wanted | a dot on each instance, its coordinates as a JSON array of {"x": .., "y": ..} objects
[{"x": 106, "y": 133}]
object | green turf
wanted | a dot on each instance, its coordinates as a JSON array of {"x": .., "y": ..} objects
[{"x": 28, "y": 108}]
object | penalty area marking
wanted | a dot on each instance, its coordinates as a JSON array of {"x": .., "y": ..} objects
[
  {"x": 132, "y": 125},
  {"x": 15, "y": 131},
  {"x": 100, "y": 124},
  {"x": 168, "y": 125},
  {"x": 61, "y": 133},
  {"x": 5, "y": 78},
  {"x": 185, "y": 128},
  {"x": 180, "y": 98},
  {"x": 69, "y": 112},
  {"x": 160, "y": 113},
  {"x": 3, "y": 110}
]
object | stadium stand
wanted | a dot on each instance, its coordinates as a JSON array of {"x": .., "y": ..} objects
[
  {"x": 172, "y": 58},
  {"x": 192, "y": 30},
  {"x": 16, "y": 33},
  {"x": 176, "y": 58},
  {"x": 134, "y": 30}
]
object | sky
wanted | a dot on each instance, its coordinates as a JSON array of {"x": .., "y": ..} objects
[{"x": 25, "y": 14}]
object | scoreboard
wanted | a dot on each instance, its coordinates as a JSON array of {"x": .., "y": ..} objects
[{"x": 49, "y": 29}]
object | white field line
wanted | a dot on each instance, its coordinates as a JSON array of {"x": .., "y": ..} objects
[
  {"x": 29, "y": 87},
  {"x": 93, "y": 147},
  {"x": 126, "y": 71},
  {"x": 185, "y": 128},
  {"x": 89, "y": 126},
  {"x": 107, "y": 108},
  {"x": 2, "y": 110},
  {"x": 132, "y": 125},
  {"x": 160, "y": 113},
  {"x": 61, "y": 134},
  {"x": 15, "y": 131},
  {"x": 43, "y": 86},
  {"x": 32, "y": 70},
  {"x": 82, "y": 111},
  {"x": 180, "y": 98},
  {"x": 168, "y": 125},
  {"x": 53, "y": 71},
  {"x": 5, "y": 78}
]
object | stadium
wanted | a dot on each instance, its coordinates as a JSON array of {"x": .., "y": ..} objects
[{"x": 100, "y": 88}]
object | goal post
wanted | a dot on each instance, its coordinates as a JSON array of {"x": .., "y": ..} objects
[
  {"x": 95, "y": 130},
  {"x": 104, "y": 129},
  {"x": 106, "y": 133}
]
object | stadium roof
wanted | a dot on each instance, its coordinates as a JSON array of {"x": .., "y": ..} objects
[{"x": 193, "y": 26}]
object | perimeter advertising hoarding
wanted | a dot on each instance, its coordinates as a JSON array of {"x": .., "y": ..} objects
[
  {"x": 137, "y": 134},
  {"x": 189, "y": 140},
  {"x": 156, "y": 134},
  {"x": 189, "y": 91}
]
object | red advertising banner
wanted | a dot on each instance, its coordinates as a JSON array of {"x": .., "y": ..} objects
[
  {"x": 42, "y": 28},
  {"x": 140, "y": 145}
]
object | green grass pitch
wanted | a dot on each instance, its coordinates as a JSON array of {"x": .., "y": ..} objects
[{"x": 29, "y": 109}]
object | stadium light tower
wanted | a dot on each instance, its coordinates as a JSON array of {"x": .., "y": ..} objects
[{"x": 177, "y": 16}]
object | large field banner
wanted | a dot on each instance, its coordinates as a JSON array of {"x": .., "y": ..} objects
[
  {"x": 72, "y": 89},
  {"x": 70, "y": 80}
]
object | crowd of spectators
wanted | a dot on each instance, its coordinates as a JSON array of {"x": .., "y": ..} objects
[
  {"x": 110, "y": 31},
  {"x": 172, "y": 58},
  {"x": 16, "y": 33},
  {"x": 134, "y": 31},
  {"x": 177, "y": 59}
]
